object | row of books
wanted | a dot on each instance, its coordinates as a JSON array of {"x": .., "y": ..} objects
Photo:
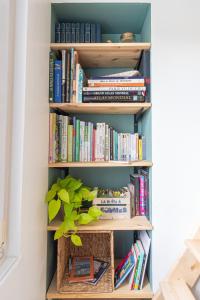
[
  {"x": 86, "y": 269},
  {"x": 66, "y": 77},
  {"x": 71, "y": 140},
  {"x": 133, "y": 266},
  {"x": 77, "y": 32},
  {"x": 68, "y": 82}
]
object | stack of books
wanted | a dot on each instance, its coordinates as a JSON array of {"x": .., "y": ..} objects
[
  {"x": 133, "y": 266},
  {"x": 77, "y": 33},
  {"x": 86, "y": 269},
  {"x": 66, "y": 77},
  {"x": 73, "y": 140},
  {"x": 139, "y": 189},
  {"x": 120, "y": 87}
]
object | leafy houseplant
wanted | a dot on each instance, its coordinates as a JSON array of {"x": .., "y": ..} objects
[{"x": 67, "y": 195}]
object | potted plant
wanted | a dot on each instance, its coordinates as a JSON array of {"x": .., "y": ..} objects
[{"x": 67, "y": 196}]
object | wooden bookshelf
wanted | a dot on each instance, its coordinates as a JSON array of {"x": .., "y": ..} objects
[
  {"x": 103, "y": 164},
  {"x": 95, "y": 55},
  {"x": 135, "y": 223},
  {"x": 122, "y": 292},
  {"x": 101, "y": 108}
]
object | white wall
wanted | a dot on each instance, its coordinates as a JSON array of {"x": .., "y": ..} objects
[
  {"x": 176, "y": 124},
  {"x": 175, "y": 82}
]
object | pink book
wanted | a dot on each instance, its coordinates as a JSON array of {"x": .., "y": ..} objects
[{"x": 141, "y": 203}]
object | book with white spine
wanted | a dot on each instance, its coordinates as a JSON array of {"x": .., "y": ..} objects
[{"x": 114, "y": 88}]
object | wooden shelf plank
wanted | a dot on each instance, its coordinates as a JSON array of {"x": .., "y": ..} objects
[
  {"x": 136, "y": 223},
  {"x": 106, "y": 54},
  {"x": 194, "y": 247},
  {"x": 104, "y": 164},
  {"x": 121, "y": 293},
  {"x": 102, "y": 108}
]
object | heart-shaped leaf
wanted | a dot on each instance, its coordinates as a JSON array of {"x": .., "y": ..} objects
[
  {"x": 74, "y": 184},
  {"x": 92, "y": 195},
  {"x": 50, "y": 195},
  {"x": 95, "y": 212},
  {"x": 55, "y": 187},
  {"x": 58, "y": 234},
  {"x": 85, "y": 219},
  {"x": 85, "y": 192},
  {"x": 76, "y": 240},
  {"x": 74, "y": 215},
  {"x": 63, "y": 195},
  {"x": 53, "y": 209},
  {"x": 68, "y": 209}
]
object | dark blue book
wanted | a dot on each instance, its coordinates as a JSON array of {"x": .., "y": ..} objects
[
  {"x": 57, "y": 33},
  {"x": 73, "y": 34},
  {"x": 87, "y": 32},
  {"x": 93, "y": 33},
  {"x": 82, "y": 33},
  {"x": 77, "y": 32},
  {"x": 98, "y": 33},
  {"x": 68, "y": 30},
  {"x": 58, "y": 81},
  {"x": 62, "y": 32}
]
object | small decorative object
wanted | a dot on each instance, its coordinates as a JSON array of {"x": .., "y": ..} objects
[
  {"x": 67, "y": 195},
  {"x": 108, "y": 41},
  {"x": 127, "y": 37},
  {"x": 82, "y": 269}
]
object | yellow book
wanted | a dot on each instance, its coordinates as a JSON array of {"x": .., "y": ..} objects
[{"x": 140, "y": 149}]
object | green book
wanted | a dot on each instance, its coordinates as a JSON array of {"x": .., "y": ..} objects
[
  {"x": 52, "y": 58},
  {"x": 77, "y": 154},
  {"x": 69, "y": 142}
]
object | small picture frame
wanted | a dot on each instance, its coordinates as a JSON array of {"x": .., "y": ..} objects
[{"x": 82, "y": 269}]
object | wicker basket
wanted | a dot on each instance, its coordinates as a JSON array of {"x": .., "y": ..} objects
[{"x": 98, "y": 244}]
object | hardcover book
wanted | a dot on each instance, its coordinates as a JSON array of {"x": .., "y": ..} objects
[
  {"x": 82, "y": 269},
  {"x": 57, "y": 81}
]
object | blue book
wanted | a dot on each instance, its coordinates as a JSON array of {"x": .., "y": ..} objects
[
  {"x": 77, "y": 32},
  {"x": 73, "y": 34},
  {"x": 98, "y": 33},
  {"x": 62, "y": 32},
  {"x": 87, "y": 32},
  {"x": 93, "y": 33},
  {"x": 82, "y": 33},
  {"x": 57, "y": 33},
  {"x": 68, "y": 30},
  {"x": 124, "y": 269},
  {"x": 58, "y": 81}
]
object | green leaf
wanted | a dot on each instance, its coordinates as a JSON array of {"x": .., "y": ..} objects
[
  {"x": 85, "y": 219},
  {"x": 68, "y": 209},
  {"x": 58, "y": 234},
  {"x": 55, "y": 187},
  {"x": 71, "y": 195},
  {"x": 64, "y": 182},
  {"x": 85, "y": 192},
  {"x": 64, "y": 195},
  {"x": 92, "y": 195},
  {"x": 74, "y": 215},
  {"x": 95, "y": 212},
  {"x": 53, "y": 209},
  {"x": 74, "y": 184},
  {"x": 50, "y": 195},
  {"x": 70, "y": 225},
  {"x": 76, "y": 240},
  {"x": 77, "y": 204},
  {"x": 77, "y": 197}
]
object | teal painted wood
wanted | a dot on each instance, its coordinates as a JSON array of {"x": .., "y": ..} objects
[{"x": 146, "y": 28}]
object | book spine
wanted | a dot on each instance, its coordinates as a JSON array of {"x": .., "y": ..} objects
[
  {"x": 64, "y": 138},
  {"x": 77, "y": 140},
  {"x": 113, "y": 88},
  {"x": 139, "y": 269},
  {"x": 82, "y": 33},
  {"x": 106, "y": 143},
  {"x": 144, "y": 148},
  {"x": 71, "y": 73},
  {"x": 77, "y": 32},
  {"x": 62, "y": 32},
  {"x": 142, "y": 205},
  {"x": 80, "y": 86},
  {"x": 53, "y": 137},
  {"x": 116, "y": 80},
  {"x": 87, "y": 32},
  {"x": 98, "y": 33},
  {"x": 73, "y": 33},
  {"x": 74, "y": 140},
  {"x": 51, "y": 75},
  {"x": 113, "y": 93},
  {"x": 68, "y": 30},
  {"x": 57, "y": 81},
  {"x": 57, "y": 33},
  {"x": 111, "y": 143},
  {"x": 93, "y": 33},
  {"x": 115, "y": 84},
  {"x": 140, "y": 148},
  {"x": 118, "y": 98},
  {"x": 59, "y": 124},
  {"x": 56, "y": 138},
  {"x": 50, "y": 137},
  {"x": 68, "y": 77},
  {"x": 63, "y": 75},
  {"x": 94, "y": 144},
  {"x": 82, "y": 127},
  {"x": 69, "y": 142}
]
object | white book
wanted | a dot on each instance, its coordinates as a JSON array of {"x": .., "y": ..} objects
[
  {"x": 146, "y": 241},
  {"x": 114, "y": 88},
  {"x": 106, "y": 143},
  {"x": 116, "y": 80},
  {"x": 132, "y": 146},
  {"x": 125, "y": 73},
  {"x": 82, "y": 125}
]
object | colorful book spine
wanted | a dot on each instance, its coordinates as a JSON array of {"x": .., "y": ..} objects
[
  {"x": 57, "y": 33},
  {"x": 77, "y": 140},
  {"x": 57, "y": 81},
  {"x": 92, "y": 82},
  {"x": 50, "y": 137},
  {"x": 63, "y": 75},
  {"x": 69, "y": 142},
  {"x": 139, "y": 268},
  {"x": 115, "y": 89},
  {"x": 142, "y": 205},
  {"x": 74, "y": 140},
  {"x": 107, "y": 98},
  {"x": 59, "y": 122},
  {"x": 68, "y": 60},
  {"x": 140, "y": 150},
  {"x": 68, "y": 30},
  {"x": 64, "y": 150}
]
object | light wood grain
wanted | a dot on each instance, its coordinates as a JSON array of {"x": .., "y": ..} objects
[
  {"x": 177, "y": 290},
  {"x": 121, "y": 293},
  {"x": 94, "y": 55},
  {"x": 102, "y": 108},
  {"x": 136, "y": 223},
  {"x": 101, "y": 164},
  {"x": 194, "y": 247}
]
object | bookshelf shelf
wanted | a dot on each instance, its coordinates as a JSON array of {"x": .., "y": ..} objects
[
  {"x": 102, "y": 108},
  {"x": 95, "y": 55},
  {"x": 104, "y": 164},
  {"x": 136, "y": 223},
  {"x": 121, "y": 293}
]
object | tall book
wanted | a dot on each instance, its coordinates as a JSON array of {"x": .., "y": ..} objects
[
  {"x": 57, "y": 81},
  {"x": 52, "y": 58},
  {"x": 87, "y": 32},
  {"x": 63, "y": 75},
  {"x": 62, "y": 32},
  {"x": 68, "y": 30},
  {"x": 69, "y": 143},
  {"x": 57, "y": 33}
]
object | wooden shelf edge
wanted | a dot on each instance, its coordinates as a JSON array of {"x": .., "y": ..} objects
[
  {"x": 101, "y": 46},
  {"x": 99, "y": 108},
  {"x": 121, "y": 293},
  {"x": 135, "y": 223},
  {"x": 141, "y": 163}
]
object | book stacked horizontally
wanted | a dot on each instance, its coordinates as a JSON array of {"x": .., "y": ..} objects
[
  {"x": 71, "y": 140},
  {"x": 133, "y": 266},
  {"x": 121, "y": 87}
]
